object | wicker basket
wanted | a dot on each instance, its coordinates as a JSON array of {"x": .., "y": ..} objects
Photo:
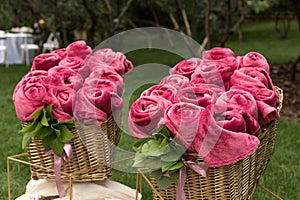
[
  {"x": 235, "y": 181},
  {"x": 92, "y": 153}
]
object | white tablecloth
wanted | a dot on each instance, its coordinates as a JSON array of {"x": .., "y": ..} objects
[{"x": 13, "y": 44}]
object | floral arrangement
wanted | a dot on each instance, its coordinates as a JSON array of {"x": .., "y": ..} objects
[
  {"x": 212, "y": 108},
  {"x": 69, "y": 84}
]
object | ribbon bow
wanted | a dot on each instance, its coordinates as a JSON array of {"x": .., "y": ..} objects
[
  {"x": 58, "y": 161},
  {"x": 199, "y": 168}
]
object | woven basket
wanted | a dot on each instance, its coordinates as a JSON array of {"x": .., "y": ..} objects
[
  {"x": 92, "y": 153},
  {"x": 235, "y": 181}
]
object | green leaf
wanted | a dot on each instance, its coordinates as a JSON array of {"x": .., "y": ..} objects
[
  {"x": 57, "y": 146},
  {"x": 174, "y": 175},
  {"x": 172, "y": 166},
  {"x": 67, "y": 122},
  {"x": 56, "y": 130},
  {"x": 171, "y": 156},
  {"x": 26, "y": 139},
  {"x": 44, "y": 132},
  {"x": 36, "y": 130},
  {"x": 140, "y": 160},
  {"x": 49, "y": 111},
  {"x": 66, "y": 135},
  {"x": 29, "y": 127},
  {"x": 164, "y": 182},
  {"x": 37, "y": 113},
  {"x": 139, "y": 143},
  {"x": 157, "y": 174},
  {"x": 44, "y": 120}
]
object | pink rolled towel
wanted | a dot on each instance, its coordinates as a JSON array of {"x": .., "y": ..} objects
[
  {"x": 74, "y": 63},
  {"x": 186, "y": 67},
  {"x": 168, "y": 92},
  {"x": 201, "y": 96},
  {"x": 182, "y": 119},
  {"x": 254, "y": 59},
  {"x": 79, "y": 49},
  {"x": 45, "y": 61},
  {"x": 219, "y": 146},
  {"x": 106, "y": 84},
  {"x": 146, "y": 115},
  {"x": 178, "y": 81}
]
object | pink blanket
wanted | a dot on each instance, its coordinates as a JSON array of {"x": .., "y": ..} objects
[
  {"x": 146, "y": 115},
  {"x": 219, "y": 146}
]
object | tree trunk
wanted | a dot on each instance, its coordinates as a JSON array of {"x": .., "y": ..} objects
[
  {"x": 207, "y": 24},
  {"x": 294, "y": 69}
]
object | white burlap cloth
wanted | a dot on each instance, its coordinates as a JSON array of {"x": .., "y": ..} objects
[{"x": 99, "y": 190}]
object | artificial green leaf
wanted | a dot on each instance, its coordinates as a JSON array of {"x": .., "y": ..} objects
[
  {"x": 26, "y": 139},
  {"x": 49, "y": 111},
  {"x": 57, "y": 146},
  {"x": 157, "y": 174},
  {"x": 44, "y": 120},
  {"x": 165, "y": 132},
  {"x": 37, "y": 129},
  {"x": 66, "y": 135},
  {"x": 67, "y": 122},
  {"x": 56, "y": 130},
  {"x": 44, "y": 132},
  {"x": 29, "y": 127},
  {"x": 164, "y": 182},
  {"x": 138, "y": 144},
  {"x": 152, "y": 148},
  {"x": 172, "y": 166},
  {"x": 174, "y": 175},
  {"x": 171, "y": 156},
  {"x": 47, "y": 140},
  {"x": 140, "y": 160},
  {"x": 37, "y": 113}
]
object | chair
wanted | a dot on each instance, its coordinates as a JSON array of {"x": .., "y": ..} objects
[
  {"x": 51, "y": 43},
  {"x": 3, "y": 47},
  {"x": 25, "y": 47}
]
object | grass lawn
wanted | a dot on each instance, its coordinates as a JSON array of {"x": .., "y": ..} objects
[{"x": 282, "y": 173}]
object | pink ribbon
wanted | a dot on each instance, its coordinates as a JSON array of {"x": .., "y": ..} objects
[
  {"x": 199, "y": 168},
  {"x": 58, "y": 161}
]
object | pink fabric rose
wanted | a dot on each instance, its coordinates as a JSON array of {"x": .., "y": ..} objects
[
  {"x": 217, "y": 53},
  {"x": 71, "y": 62},
  {"x": 64, "y": 77},
  {"x": 176, "y": 80},
  {"x": 62, "y": 53},
  {"x": 254, "y": 59},
  {"x": 45, "y": 61},
  {"x": 186, "y": 67},
  {"x": 146, "y": 115},
  {"x": 201, "y": 96},
  {"x": 94, "y": 105},
  {"x": 219, "y": 90},
  {"x": 28, "y": 98},
  {"x": 61, "y": 100},
  {"x": 106, "y": 84},
  {"x": 78, "y": 49},
  {"x": 108, "y": 74},
  {"x": 183, "y": 120},
  {"x": 219, "y": 146},
  {"x": 168, "y": 92},
  {"x": 213, "y": 73},
  {"x": 115, "y": 60}
]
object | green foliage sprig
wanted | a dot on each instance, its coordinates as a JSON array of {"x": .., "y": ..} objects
[
  {"x": 162, "y": 154},
  {"x": 53, "y": 134}
]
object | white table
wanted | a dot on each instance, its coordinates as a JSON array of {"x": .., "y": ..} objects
[{"x": 13, "y": 44}]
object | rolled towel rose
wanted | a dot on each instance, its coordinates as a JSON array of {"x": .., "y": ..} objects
[
  {"x": 201, "y": 96},
  {"x": 267, "y": 102},
  {"x": 197, "y": 82},
  {"x": 74, "y": 63},
  {"x": 252, "y": 76},
  {"x": 28, "y": 98},
  {"x": 176, "y": 80},
  {"x": 61, "y": 100},
  {"x": 186, "y": 67},
  {"x": 109, "y": 74},
  {"x": 254, "y": 59},
  {"x": 37, "y": 76},
  {"x": 217, "y": 53},
  {"x": 60, "y": 76},
  {"x": 109, "y": 85},
  {"x": 78, "y": 49},
  {"x": 62, "y": 53},
  {"x": 45, "y": 61},
  {"x": 97, "y": 100},
  {"x": 213, "y": 73},
  {"x": 115, "y": 60},
  {"x": 183, "y": 120},
  {"x": 219, "y": 146},
  {"x": 146, "y": 115},
  {"x": 166, "y": 91}
]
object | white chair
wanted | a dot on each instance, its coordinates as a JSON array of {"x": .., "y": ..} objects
[
  {"x": 51, "y": 43},
  {"x": 3, "y": 47},
  {"x": 25, "y": 47}
]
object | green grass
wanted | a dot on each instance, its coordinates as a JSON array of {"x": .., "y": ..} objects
[
  {"x": 282, "y": 173},
  {"x": 263, "y": 38}
]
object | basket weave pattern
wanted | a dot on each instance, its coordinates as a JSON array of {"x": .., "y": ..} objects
[
  {"x": 235, "y": 181},
  {"x": 92, "y": 153}
]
